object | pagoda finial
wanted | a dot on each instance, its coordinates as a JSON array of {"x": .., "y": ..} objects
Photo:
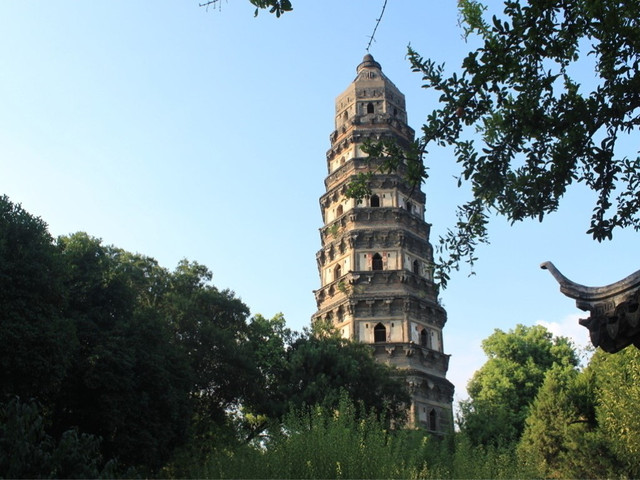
[{"x": 368, "y": 62}]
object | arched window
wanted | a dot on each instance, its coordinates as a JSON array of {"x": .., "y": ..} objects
[
  {"x": 375, "y": 201},
  {"x": 337, "y": 272},
  {"x": 423, "y": 338},
  {"x": 346, "y": 114},
  {"x": 370, "y": 107},
  {"x": 409, "y": 207},
  {"x": 379, "y": 333},
  {"x": 376, "y": 263},
  {"x": 432, "y": 419},
  {"x": 339, "y": 210},
  {"x": 416, "y": 267}
]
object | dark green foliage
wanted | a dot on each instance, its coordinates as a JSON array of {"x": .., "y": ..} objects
[
  {"x": 210, "y": 327},
  {"x": 342, "y": 442},
  {"x": 36, "y": 338},
  {"x": 584, "y": 424},
  {"x": 501, "y": 391},
  {"x": 552, "y": 417},
  {"x": 339, "y": 442},
  {"x": 159, "y": 351},
  {"x": 151, "y": 361},
  {"x": 320, "y": 369},
  {"x": 27, "y": 451},
  {"x": 129, "y": 383},
  {"x": 274, "y": 6},
  {"x": 466, "y": 460},
  {"x": 562, "y": 438},
  {"x": 114, "y": 346},
  {"x": 270, "y": 340},
  {"x": 315, "y": 368},
  {"x": 617, "y": 406}
]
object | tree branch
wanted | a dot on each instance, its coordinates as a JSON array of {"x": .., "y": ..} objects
[{"x": 373, "y": 34}]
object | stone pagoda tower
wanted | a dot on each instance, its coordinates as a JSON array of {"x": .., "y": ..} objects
[{"x": 375, "y": 263}]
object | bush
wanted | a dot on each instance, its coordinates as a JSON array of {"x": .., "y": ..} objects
[
  {"x": 27, "y": 451},
  {"x": 324, "y": 443}
]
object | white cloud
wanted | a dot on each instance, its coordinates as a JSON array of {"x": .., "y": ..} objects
[
  {"x": 466, "y": 358},
  {"x": 569, "y": 327}
]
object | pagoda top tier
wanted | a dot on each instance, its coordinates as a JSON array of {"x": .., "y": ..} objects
[{"x": 370, "y": 99}]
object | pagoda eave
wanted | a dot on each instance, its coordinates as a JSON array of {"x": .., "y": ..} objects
[{"x": 614, "y": 322}]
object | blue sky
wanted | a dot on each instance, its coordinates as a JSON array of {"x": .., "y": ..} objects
[{"x": 177, "y": 132}]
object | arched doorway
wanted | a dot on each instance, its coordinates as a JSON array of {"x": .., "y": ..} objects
[
  {"x": 376, "y": 262},
  {"x": 379, "y": 333},
  {"x": 432, "y": 420},
  {"x": 337, "y": 272},
  {"x": 424, "y": 338}
]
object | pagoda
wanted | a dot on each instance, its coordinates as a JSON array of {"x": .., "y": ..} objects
[{"x": 375, "y": 261}]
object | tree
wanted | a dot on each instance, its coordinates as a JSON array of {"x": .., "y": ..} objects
[
  {"x": 585, "y": 424},
  {"x": 618, "y": 408},
  {"x": 163, "y": 355},
  {"x": 28, "y": 451},
  {"x": 275, "y": 6},
  {"x": 562, "y": 436},
  {"x": 211, "y": 327},
  {"x": 523, "y": 128},
  {"x": 320, "y": 369},
  {"x": 551, "y": 415},
  {"x": 132, "y": 360},
  {"x": 36, "y": 338},
  {"x": 500, "y": 392},
  {"x": 129, "y": 383},
  {"x": 270, "y": 341}
]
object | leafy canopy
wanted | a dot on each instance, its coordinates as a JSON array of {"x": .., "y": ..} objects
[
  {"x": 523, "y": 127},
  {"x": 502, "y": 389},
  {"x": 274, "y": 6},
  {"x": 584, "y": 424}
]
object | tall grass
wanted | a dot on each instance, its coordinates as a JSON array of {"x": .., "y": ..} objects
[{"x": 320, "y": 443}]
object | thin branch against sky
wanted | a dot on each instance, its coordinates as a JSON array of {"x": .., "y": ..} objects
[{"x": 378, "y": 20}]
